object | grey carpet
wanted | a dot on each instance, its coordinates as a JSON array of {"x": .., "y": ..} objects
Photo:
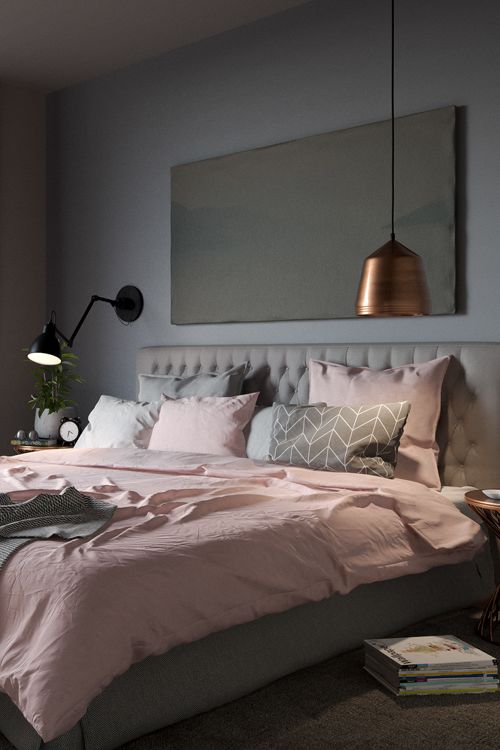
[{"x": 337, "y": 706}]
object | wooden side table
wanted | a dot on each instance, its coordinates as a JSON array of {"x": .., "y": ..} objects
[
  {"x": 489, "y": 511},
  {"x": 31, "y": 448}
]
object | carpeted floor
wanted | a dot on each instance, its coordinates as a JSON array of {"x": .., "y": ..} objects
[{"x": 338, "y": 706}]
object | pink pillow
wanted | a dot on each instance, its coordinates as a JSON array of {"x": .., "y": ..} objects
[
  {"x": 419, "y": 384},
  {"x": 204, "y": 425}
]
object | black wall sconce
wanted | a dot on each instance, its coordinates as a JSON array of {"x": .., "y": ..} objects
[{"x": 46, "y": 350}]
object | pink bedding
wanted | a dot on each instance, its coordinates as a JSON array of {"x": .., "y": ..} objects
[{"x": 197, "y": 544}]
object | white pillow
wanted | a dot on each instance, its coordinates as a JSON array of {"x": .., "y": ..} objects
[
  {"x": 259, "y": 434},
  {"x": 116, "y": 423}
]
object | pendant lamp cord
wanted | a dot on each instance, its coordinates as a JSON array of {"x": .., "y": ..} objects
[{"x": 393, "y": 236}]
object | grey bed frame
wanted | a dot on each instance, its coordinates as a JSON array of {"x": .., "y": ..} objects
[{"x": 199, "y": 676}]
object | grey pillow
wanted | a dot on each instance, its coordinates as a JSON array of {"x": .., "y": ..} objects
[
  {"x": 359, "y": 439},
  {"x": 228, "y": 383}
]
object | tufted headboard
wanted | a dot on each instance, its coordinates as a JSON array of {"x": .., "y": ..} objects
[{"x": 469, "y": 428}]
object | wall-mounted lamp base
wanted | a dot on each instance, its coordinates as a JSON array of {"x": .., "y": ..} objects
[{"x": 129, "y": 303}]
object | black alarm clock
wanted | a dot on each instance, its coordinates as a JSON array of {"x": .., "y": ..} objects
[{"x": 70, "y": 430}]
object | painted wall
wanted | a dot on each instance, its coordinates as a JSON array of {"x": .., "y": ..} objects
[
  {"x": 22, "y": 248},
  {"x": 316, "y": 68}
]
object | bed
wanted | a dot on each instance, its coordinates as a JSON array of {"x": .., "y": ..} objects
[{"x": 224, "y": 665}]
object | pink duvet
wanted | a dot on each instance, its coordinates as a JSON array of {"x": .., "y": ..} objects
[{"x": 198, "y": 544}]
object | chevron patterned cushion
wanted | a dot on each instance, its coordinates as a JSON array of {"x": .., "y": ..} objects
[{"x": 359, "y": 439}]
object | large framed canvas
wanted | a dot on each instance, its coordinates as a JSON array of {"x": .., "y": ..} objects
[{"x": 280, "y": 233}]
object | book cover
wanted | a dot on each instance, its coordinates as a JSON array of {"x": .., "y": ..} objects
[{"x": 429, "y": 653}]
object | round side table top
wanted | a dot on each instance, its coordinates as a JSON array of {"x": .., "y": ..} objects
[
  {"x": 486, "y": 508},
  {"x": 477, "y": 498}
]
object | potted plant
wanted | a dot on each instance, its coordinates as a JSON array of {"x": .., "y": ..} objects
[{"x": 51, "y": 397}]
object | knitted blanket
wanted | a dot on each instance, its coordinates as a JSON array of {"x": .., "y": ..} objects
[{"x": 67, "y": 516}]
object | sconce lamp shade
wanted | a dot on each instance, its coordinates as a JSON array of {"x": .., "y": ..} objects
[
  {"x": 393, "y": 283},
  {"x": 45, "y": 349}
]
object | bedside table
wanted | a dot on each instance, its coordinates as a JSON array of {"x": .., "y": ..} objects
[
  {"x": 489, "y": 512},
  {"x": 32, "y": 448}
]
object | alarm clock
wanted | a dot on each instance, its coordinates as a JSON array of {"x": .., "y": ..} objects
[{"x": 70, "y": 430}]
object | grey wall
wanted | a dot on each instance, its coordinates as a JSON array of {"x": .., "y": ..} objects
[
  {"x": 316, "y": 68},
  {"x": 22, "y": 248}
]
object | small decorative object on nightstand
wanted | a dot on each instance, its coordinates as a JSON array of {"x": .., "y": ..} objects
[{"x": 486, "y": 503}]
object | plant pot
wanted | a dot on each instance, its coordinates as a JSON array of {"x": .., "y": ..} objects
[{"x": 47, "y": 425}]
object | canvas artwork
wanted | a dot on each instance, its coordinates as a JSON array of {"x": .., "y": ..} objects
[{"x": 280, "y": 233}]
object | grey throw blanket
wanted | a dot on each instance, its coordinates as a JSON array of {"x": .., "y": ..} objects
[{"x": 67, "y": 516}]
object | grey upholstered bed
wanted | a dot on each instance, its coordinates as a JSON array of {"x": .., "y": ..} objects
[{"x": 226, "y": 665}]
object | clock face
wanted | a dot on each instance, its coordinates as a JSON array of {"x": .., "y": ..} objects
[{"x": 69, "y": 431}]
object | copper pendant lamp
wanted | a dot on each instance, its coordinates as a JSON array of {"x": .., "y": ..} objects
[{"x": 393, "y": 278}]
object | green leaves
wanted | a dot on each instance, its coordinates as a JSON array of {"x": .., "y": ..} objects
[{"x": 53, "y": 384}]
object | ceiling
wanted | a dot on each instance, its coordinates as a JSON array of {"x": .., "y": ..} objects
[{"x": 50, "y": 44}]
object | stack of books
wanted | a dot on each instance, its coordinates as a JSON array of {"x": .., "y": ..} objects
[
  {"x": 430, "y": 665},
  {"x": 39, "y": 442}
]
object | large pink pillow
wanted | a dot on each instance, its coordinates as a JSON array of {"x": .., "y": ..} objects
[
  {"x": 419, "y": 384},
  {"x": 211, "y": 424}
]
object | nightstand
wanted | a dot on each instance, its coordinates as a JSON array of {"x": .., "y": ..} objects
[
  {"x": 489, "y": 512},
  {"x": 32, "y": 448}
]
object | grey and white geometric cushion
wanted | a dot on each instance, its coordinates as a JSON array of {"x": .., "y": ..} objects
[{"x": 360, "y": 439}]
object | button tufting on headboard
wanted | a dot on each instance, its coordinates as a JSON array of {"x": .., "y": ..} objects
[{"x": 469, "y": 428}]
